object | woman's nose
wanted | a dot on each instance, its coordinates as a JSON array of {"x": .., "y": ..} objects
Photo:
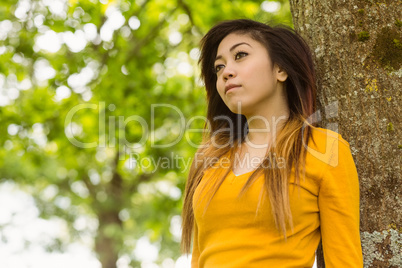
[{"x": 228, "y": 72}]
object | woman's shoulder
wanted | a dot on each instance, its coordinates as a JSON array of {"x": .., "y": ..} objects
[
  {"x": 327, "y": 146},
  {"x": 324, "y": 135}
]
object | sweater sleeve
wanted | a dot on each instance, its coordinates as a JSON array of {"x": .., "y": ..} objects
[
  {"x": 196, "y": 252},
  {"x": 338, "y": 201}
]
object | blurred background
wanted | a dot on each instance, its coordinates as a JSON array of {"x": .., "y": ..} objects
[{"x": 101, "y": 112}]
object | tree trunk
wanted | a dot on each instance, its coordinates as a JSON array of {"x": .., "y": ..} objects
[
  {"x": 357, "y": 48},
  {"x": 106, "y": 245},
  {"x": 109, "y": 238}
]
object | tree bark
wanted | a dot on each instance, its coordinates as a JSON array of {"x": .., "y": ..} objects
[
  {"x": 357, "y": 48},
  {"x": 109, "y": 238},
  {"x": 106, "y": 245}
]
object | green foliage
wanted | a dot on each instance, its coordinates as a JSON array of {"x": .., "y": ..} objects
[{"x": 106, "y": 86}]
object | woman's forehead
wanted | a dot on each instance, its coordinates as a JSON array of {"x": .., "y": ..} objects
[{"x": 233, "y": 39}]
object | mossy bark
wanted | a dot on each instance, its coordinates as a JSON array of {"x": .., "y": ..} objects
[{"x": 358, "y": 55}]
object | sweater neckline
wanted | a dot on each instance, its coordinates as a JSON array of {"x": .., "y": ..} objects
[{"x": 239, "y": 175}]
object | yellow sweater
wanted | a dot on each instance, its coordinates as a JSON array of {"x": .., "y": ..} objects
[{"x": 229, "y": 235}]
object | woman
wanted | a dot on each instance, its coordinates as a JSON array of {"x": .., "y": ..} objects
[{"x": 267, "y": 185}]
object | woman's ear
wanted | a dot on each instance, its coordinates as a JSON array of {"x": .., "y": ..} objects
[{"x": 281, "y": 74}]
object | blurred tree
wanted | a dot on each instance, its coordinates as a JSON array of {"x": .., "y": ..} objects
[
  {"x": 94, "y": 94},
  {"x": 358, "y": 52}
]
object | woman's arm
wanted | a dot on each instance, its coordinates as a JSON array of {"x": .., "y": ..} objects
[{"x": 338, "y": 202}]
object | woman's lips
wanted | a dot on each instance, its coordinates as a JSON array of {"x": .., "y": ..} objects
[{"x": 230, "y": 86}]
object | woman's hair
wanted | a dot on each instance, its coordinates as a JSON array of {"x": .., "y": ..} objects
[{"x": 290, "y": 52}]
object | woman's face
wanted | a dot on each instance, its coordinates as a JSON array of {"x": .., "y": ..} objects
[{"x": 245, "y": 75}]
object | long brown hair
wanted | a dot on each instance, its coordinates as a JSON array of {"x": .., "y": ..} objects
[{"x": 290, "y": 52}]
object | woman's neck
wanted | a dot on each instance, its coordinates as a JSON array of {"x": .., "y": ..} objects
[{"x": 264, "y": 128}]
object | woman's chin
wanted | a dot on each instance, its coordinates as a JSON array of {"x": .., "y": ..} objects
[{"x": 238, "y": 108}]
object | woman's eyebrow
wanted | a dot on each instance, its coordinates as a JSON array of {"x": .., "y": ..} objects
[{"x": 232, "y": 48}]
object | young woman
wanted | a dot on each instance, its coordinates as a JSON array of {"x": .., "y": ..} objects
[{"x": 267, "y": 185}]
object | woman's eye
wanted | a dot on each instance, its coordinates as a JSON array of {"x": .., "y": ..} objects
[
  {"x": 240, "y": 55},
  {"x": 218, "y": 68}
]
